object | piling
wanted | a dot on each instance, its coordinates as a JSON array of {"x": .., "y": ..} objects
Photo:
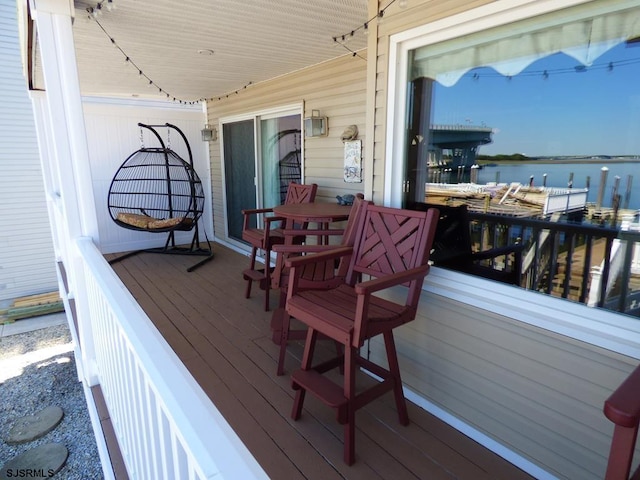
[
  {"x": 474, "y": 173},
  {"x": 616, "y": 208},
  {"x": 544, "y": 180},
  {"x": 614, "y": 192},
  {"x": 627, "y": 195},
  {"x": 604, "y": 171}
]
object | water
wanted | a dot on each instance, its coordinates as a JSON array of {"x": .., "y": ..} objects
[{"x": 558, "y": 175}]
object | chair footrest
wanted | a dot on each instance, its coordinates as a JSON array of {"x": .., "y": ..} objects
[{"x": 327, "y": 391}]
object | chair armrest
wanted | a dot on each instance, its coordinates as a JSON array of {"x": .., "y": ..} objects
[
  {"x": 330, "y": 254},
  {"x": 307, "y": 231},
  {"x": 246, "y": 213},
  {"x": 498, "y": 252},
  {"x": 253, "y": 211},
  {"x": 623, "y": 406},
  {"x": 280, "y": 248},
  {"x": 377, "y": 284}
]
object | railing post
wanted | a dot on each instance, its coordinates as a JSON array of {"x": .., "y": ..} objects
[
  {"x": 626, "y": 273},
  {"x": 623, "y": 409},
  {"x": 596, "y": 285},
  {"x": 621, "y": 453}
]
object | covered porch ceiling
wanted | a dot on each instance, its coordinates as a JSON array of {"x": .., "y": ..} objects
[{"x": 193, "y": 50}]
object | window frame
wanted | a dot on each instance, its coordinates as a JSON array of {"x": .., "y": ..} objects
[{"x": 598, "y": 327}]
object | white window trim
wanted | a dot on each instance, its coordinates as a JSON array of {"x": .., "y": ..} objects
[{"x": 598, "y": 327}]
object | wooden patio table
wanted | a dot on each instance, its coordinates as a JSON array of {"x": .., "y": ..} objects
[
  {"x": 321, "y": 213},
  {"x": 303, "y": 213}
]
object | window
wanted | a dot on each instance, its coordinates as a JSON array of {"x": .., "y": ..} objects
[
  {"x": 488, "y": 113},
  {"x": 538, "y": 94}
]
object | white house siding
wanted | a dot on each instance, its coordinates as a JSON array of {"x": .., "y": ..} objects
[
  {"x": 537, "y": 393},
  {"x": 27, "y": 260},
  {"x": 337, "y": 89},
  {"x": 113, "y": 134}
]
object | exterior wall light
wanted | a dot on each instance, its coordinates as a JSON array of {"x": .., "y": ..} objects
[
  {"x": 209, "y": 134},
  {"x": 316, "y": 126}
]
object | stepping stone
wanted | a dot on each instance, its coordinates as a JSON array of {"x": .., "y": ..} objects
[
  {"x": 31, "y": 427},
  {"x": 40, "y": 462}
]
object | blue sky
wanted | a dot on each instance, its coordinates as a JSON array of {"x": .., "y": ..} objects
[{"x": 596, "y": 111}]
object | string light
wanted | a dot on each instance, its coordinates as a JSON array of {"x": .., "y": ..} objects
[
  {"x": 545, "y": 74},
  {"x": 344, "y": 38},
  {"x": 226, "y": 95},
  {"x": 93, "y": 13}
]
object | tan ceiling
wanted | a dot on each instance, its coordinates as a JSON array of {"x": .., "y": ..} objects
[{"x": 252, "y": 40}]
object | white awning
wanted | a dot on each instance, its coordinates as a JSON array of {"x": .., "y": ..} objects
[{"x": 580, "y": 32}]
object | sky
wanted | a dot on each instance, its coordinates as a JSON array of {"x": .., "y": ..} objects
[{"x": 567, "y": 112}]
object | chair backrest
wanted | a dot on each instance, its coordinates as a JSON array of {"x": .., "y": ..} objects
[
  {"x": 301, "y": 193},
  {"x": 453, "y": 237},
  {"x": 392, "y": 240},
  {"x": 351, "y": 230}
]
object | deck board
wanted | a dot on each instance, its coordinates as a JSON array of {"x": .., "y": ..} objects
[{"x": 225, "y": 342}]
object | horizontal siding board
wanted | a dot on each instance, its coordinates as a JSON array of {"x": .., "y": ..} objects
[{"x": 534, "y": 391}]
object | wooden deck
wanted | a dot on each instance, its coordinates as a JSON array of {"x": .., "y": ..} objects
[{"x": 225, "y": 342}]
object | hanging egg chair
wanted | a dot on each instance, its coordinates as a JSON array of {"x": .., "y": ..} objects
[{"x": 155, "y": 190}]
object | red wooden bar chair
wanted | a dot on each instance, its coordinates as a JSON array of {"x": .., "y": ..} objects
[
  {"x": 623, "y": 409},
  {"x": 265, "y": 238},
  {"x": 321, "y": 275},
  {"x": 393, "y": 246}
]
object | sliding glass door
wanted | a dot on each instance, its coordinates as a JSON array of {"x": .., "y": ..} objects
[
  {"x": 262, "y": 155},
  {"x": 240, "y": 172}
]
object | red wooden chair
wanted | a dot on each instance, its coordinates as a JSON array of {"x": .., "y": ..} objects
[
  {"x": 623, "y": 409},
  {"x": 392, "y": 246},
  {"x": 265, "y": 238},
  {"x": 322, "y": 275}
]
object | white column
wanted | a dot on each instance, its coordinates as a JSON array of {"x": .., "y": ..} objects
[{"x": 64, "y": 151}]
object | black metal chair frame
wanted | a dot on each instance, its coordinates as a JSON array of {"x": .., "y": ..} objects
[{"x": 190, "y": 216}]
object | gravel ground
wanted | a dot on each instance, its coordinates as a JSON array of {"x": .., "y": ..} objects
[{"x": 37, "y": 370}]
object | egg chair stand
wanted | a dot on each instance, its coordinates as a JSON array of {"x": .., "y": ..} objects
[{"x": 155, "y": 190}]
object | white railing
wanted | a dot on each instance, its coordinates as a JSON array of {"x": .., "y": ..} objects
[{"x": 166, "y": 426}]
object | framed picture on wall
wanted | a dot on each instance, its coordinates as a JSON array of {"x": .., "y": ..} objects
[{"x": 353, "y": 161}]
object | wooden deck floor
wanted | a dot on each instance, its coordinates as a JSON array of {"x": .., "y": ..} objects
[{"x": 225, "y": 341}]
